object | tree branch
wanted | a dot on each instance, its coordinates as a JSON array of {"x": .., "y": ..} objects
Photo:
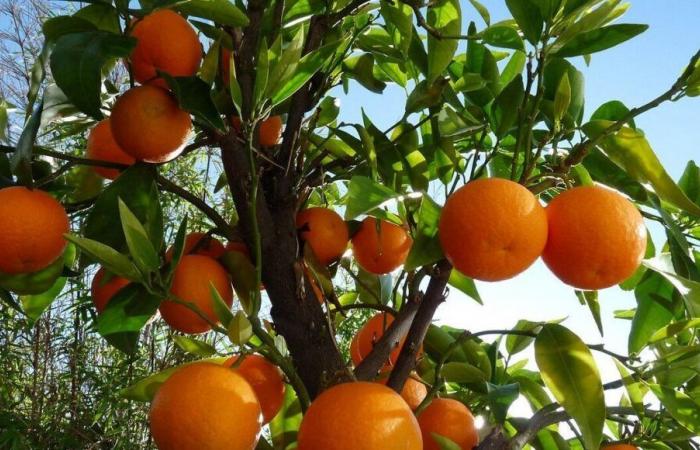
[{"x": 434, "y": 296}]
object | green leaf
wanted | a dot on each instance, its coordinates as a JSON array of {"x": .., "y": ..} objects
[
  {"x": 445, "y": 17},
  {"x": 590, "y": 298},
  {"x": 600, "y": 39},
  {"x": 655, "y": 309},
  {"x": 681, "y": 407},
  {"x": 688, "y": 289},
  {"x": 464, "y": 284},
  {"x": 285, "y": 425},
  {"x": 58, "y": 26},
  {"x": 103, "y": 16},
  {"x": 630, "y": 150},
  {"x": 506, "y": 106},
  {"x": 126, "y": 313},
  {"x": 262, "y": 73},
  {"x": 690, "y": 182},
  {"x": 445, "y": 443},
  {"x": 528, "y": 17},
  {"x": 223, "y": 12},
  {"x": 365, "y": 195},
  {"x": 462, "y": 373},
  {"x": 328, "y": 111},
  {"x": 239, "y": 329},
  {"x": 194, "y": 346},
  {"x": 145, "y": 389},
  {"x": 554, "y": 72},
  {"x": 21, "y": 161},
  {"x": 361, "y": 68},
  {"x": 613, "y": 110},
  {"x": 425, "y": 95},
  {"x": 426, "y": 247},
  {"x": 137, "y": 189},
  {"x": 140, "y": 247},
  {"x": 77, "y": 61},
  {"x": 635, "y": 389},
  {"x": 194, "y": 96},
  {"x": 5, "y": 109},
  {"x": 500, "y": 398},
  {"x": 221, "y": 309},
  {"x": 569, "y": 371},
  {"x": 400, "y": 17},
  {"x": 562, "y": 99},
  {"x": 108, "y": 257},
  {"x": 178, "y": 248},
  {"x": 307, "y": 67},
  {"x": 517, "y": 343},
  {"x": 503, "y": 36},
  {"x": 481, "y": 9},
  {"x": 675, "y": 328},
  {"x": 243, "y": 277}
]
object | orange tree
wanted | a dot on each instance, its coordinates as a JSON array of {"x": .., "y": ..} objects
[{"x": 249, "y": 83}]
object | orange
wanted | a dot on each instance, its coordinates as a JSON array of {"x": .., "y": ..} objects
[
  {"x": 363, "y": 342},
  {"x": 191, "y": 283},
  {"x": 382, "y": 250},
  {"x": 266, "y": 380},
  {"x": 225, "y": 63},
  {"x": 102, "y": 147},
  {"x": 451, "y": 419},
  {"x": 413, "y": 392},
  {"x": 269, "y": 132},
  {"x": 596, "y": 238},
  {"x": 205, "y": 245},
  {"x": 167, "y": 43},
  {"x": 32, "y": 225},
  {"x": 204, "y": 406},
  {"x": 492, "y": 229},
  {"x": 325, "y": 232},
  {"x": 148, "y": 124},
  {"x": 103, "y": 290},
  {"x": 359, "y": 416},
  {"x": 619, "y": 446}
]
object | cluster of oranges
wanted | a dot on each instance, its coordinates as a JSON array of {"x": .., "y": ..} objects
[
  {"x": 589, "y": 236},
  {"x": 146, "y": 123}
]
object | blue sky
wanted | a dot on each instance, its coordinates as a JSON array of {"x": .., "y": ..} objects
[{"x": 634, "y": 72}]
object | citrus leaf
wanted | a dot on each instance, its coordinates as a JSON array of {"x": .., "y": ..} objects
[
  {"x": 77, "y": 61},
  {"x": 681, "y": 407},
  {"x": 464, "y": 284},
  {"x": 108, "y": 257},
  {"x": 673, "y": 329},
  {"x": 569, "y": 371},
  {"x": 194, "y": 346},
  {"x": 629, "y": 149},
  {"x": 126, "y": 313},
  {"x": 461, "y": 372},
  {"x": 426, "y": 247},
  {"x": 140, "y": 247},
  {"x": 445, "y": 17},
  {"x": 600, "y": 39},
  {"x": 223, "y": 12},
  {"x": 528, "y": 17},
  {"x": 240, "y": 329},
  {"x": 364, "y": 195}
]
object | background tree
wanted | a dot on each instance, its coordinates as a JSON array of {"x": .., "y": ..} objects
[{"x": 467, "y": 117}]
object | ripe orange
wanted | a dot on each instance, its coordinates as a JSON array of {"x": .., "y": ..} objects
[
  {"x": 382, "y": 250},
  {"x": 166, "y": 42},
  {"x": 210, "y": 246},
  {"x": 204, "y": 406},
  {"x": 325, "y": 231},
  {"x": 619, "y": 446},
  {"x": 191, "y": 283},
  {"x": 363, "y": 342},
  {"x": 32, "y": 225},
  {"x": 266, "y": 380},
  {"x": 448, "y": 418},
  {"x": 359, "y": 416},
  {"x": 413, "y": 392},
  {"x": 596, "y": 238},
  {"x": 102, "y": 147},
  {"x": 492, "y": 229},
  {"x": 269, "y": 132},
  {"x": 225, "y": 63},
  {"x": 103, "y": 290},
  {"x": 148, "y": 124}
]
